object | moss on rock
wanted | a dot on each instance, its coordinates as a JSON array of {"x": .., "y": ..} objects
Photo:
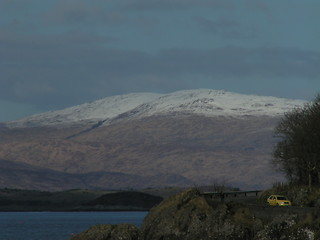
[
  {"x": 285, "y": 227},
  {"x": 109, "y": 232},
  {"x": 190, "y": 216}
]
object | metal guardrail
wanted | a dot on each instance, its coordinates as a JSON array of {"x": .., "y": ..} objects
[{"x": 234, "y": 194}]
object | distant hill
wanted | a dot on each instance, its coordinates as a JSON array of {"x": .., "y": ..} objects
[
  {"x": 120, "y": 200},
  {"x": 75, "y": 200},
  {"x": 17, "y": 175},
  {"x": 186, "y": 138}
]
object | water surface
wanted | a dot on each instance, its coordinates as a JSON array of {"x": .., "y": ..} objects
[{"x": 58, "y": 225}]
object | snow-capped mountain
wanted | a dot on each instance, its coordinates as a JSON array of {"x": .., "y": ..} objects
[
  {"x": 138, "y": 105},
  {"x": 178, "y": 139}
]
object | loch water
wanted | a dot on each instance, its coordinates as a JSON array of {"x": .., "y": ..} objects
[{"x": 58, "y": 225}]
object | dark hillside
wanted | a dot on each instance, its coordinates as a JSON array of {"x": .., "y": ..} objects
[
  {"x": 157, "y": 151},
  {"x": 125, "y": 199},
  {"x": 75, "y": 200}
]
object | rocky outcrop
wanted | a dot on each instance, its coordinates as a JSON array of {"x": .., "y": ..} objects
[
  {"x": 191, "y": 216},
  {"x": 286, "y": 227},
  {"x": 109, "y": 232}
]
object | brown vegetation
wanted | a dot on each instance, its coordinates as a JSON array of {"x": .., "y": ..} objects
[{"x": 183, "y": 151}]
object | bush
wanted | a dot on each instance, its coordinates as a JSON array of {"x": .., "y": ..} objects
[{"x": 299, "y": 195}]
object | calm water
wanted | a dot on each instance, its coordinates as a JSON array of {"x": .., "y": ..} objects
[{"x": 58, "y": 225}]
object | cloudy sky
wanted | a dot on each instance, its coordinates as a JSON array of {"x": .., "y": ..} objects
[{"x": 59, "y": 53}]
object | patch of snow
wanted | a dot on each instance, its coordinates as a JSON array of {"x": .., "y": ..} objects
[{"x": 137, "y": 105}]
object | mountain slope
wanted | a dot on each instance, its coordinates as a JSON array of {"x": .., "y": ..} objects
[
  {"x": 187, "y": 137},
  {"x": 201, "y": 149},
  {"x": 17, "y": 175}
]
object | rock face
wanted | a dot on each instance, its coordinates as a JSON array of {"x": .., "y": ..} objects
[
  {"x": 109, "y": 232},
  {"x": 286, "y": 227},
  {"x": 191, "y": 216}
]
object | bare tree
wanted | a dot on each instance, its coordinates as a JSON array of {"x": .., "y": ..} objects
[{"x": 298, "y": 151}]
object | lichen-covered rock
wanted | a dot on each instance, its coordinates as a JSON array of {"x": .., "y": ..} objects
[
  {"x": 109, "y": 232},
  {"x": 189, "y": 216},
  {"x": 285, "y": 228}
]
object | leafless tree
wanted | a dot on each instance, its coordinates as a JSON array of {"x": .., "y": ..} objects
[{"x": 298, "y": 151}]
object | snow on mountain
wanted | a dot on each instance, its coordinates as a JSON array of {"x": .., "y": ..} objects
[
  {"x": 137, "y": 105},
  {"x": 90, "y": 112},
  {"x": 216, "y": 103}
]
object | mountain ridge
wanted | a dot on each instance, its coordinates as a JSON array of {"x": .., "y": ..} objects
[{"x": 138, "y": 105}]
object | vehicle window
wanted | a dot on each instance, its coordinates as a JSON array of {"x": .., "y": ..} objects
[{"x": 282, "y": 198}]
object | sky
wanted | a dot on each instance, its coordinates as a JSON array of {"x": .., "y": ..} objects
[{"x": 60, "y": 53}]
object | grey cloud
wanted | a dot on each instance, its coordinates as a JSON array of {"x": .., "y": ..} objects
[
  {"x": 59, "y": 70},
  {"x": 225, "y": 28},
  {"x": 72, "y": 52},
  {"x": 10, "y": 40},
  {"x": 257, "y": 5},
  {"x": 81, "y": 12},
  {"x": 216, "y": 25},
  {"x": 154, "y": 4},
  {"x": 15, "y": 5},
  {"x": 176, "y": 4},
  {"x": 241, "y": 62},
  {"x": 36, "y": 67}
]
